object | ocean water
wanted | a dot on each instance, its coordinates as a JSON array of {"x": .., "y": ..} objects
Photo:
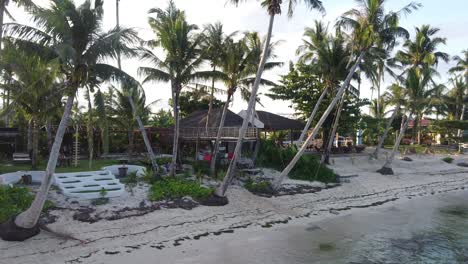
[{"x": 422, "y": 230}]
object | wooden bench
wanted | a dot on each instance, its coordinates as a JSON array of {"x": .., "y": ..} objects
[{"x": 21, "y": 158}]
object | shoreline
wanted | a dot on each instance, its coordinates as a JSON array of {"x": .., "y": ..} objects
[{"x": 169, "y": 228}]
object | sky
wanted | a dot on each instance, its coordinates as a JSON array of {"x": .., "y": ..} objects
[{"x": 449, "y": 15}]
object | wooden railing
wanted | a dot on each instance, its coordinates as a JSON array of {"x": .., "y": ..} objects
[{"x": 212, "y": 132}]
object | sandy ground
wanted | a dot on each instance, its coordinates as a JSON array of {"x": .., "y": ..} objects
[{"x": 144, "y": 239}]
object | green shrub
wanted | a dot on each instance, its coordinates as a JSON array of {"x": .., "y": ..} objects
[
  {"x": 307, "y": 168},
  {"x": 14, "y": 200},
  {"x": 448, "y": 159},
  {"x": 201, "y": 167},
  {"x": 174, "y": 188},
  {"x": 258, "y": 187}
]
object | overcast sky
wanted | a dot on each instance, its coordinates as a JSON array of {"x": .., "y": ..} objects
[{"x": 449, "y": 15}]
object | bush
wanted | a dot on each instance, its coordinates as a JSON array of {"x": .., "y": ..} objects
[
  {"x": 14, "y": 200},
  {"x": 175, "y": 188},
  {"x": 258, "y": 187},
  {"x": 201, "y": 167},
  {"x": 448, "y": 159},
  {"x": 307, "y": 168}
]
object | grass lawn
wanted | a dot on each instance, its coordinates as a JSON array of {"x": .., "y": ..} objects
[{"x": 8, "y": 166}]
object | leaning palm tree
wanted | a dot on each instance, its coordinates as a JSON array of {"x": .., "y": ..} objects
[
  {"x": 182, "y": 58},
  {"x": 364, "y": 41},
  {"x": 417, "y": 89},
  {"x": 395, "y": 96},
  {"x": 74, "y": 35},
  {"x": 273, "y": 8},
  {"x": 141, "y": 127}
]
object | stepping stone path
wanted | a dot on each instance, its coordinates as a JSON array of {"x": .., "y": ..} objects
[{"x": 89, "y": 185}]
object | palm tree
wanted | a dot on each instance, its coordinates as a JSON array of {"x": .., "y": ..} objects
[
  {"x": 183, "y": 56},
  {"x": 213, "y": 46},
  {"x": 273, "y": 8},
  {"x": 462, "y": 66},
  {"x": 102, "y": 119},
  {"x": 90, "y": 128},
  {"x": 365, "y": 39},
  {"x": 418, "y": 97},
  {"x": 320, "y": 49},
  {"x": 141, "y": 127},
  {"x": 34, "y": 89},
  {"x": 74, "y": 35},
  {"x": 395, "y": 96},
  {"x": 125, "y": 115},
  {"x": 423, "y": 50},
  {"x": 237, "y": 70}
]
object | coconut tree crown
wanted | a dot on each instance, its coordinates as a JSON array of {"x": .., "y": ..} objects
[
  {"x": 274, "y": 6},
  {"x": 74, "y": 35}
]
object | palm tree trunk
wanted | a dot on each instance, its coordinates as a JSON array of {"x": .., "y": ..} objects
[
  {"x": 311, "y": 118},
  {"x": 30, "y": 137},
  {"x": 105, "y": 137},
  {"x": 326, "y": 153},
  {"x": 319, "y": 124},
  {"x": 218, "y": 136},
  {"x": 49, "y": 134},
  {"x": 175, "y": 145},
  {"x": 90, "y": 132},
  {"x": 28, "y": 219},
  {"x": 130, "y": 143},
  {"x": 210, "y": 106},
  {"x": 35, "y": 144},
  {"x": 2, "y": 13},
  {"x": 151, "y": 155},
  {"x": 257, "y": 144},
  {"x": 416, "y": 128},
  {"x": 387, "y": 167},
  {"x": 221, "y": 190},
  {"x": 387, "y": 129}
]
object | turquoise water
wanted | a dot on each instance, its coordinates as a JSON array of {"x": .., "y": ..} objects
[{"x": 424, "y": 230}]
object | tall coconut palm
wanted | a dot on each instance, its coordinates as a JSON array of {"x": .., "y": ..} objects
[
  {"x": 141, "y": 127},
  {"x": 213, "y": 45},
  {"x": 364, "y": 40},
  {"x": 183, "y": 56},
  {"x": 273, "y": 8},
  {"x": 423, "y": 50},
  {"x": 394, "y": 96},
  {"x": 74, "y": 35},
  {"x": 237, "y": 70},
  {"x": 34, "y": 89},
  {"x": 418, "y": 90},
  {"x": 462, "y": 66},
  {"x": 28, "y": 4},
  {"x": 318, "y": 49}
]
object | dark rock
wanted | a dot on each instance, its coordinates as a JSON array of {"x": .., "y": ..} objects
[
  {"x": 462, "y": 164},
  {"x": 407, "y": 159},
  {"x": 9, "y": 231},
  {"x": 214, "y": 200},
  {"x": 385, "y": 171}
]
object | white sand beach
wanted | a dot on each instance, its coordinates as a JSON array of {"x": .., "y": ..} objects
[{"x": 155, "y": 237}]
